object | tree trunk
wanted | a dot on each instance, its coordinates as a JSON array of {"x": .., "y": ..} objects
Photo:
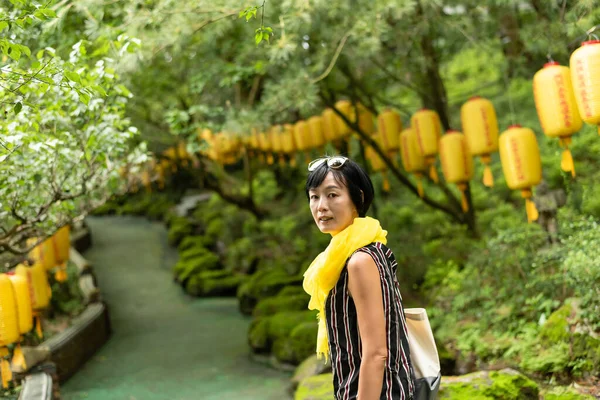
[{"x": 435, "y": 96}]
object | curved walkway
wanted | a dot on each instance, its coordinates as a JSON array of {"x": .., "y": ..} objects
[{"x": 165, "y": 345}]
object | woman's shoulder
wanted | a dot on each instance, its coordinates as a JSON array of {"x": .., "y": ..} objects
[{"x": 376, "y": 250}]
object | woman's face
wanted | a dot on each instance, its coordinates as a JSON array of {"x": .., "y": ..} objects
[{"x": 331, "y": 206}]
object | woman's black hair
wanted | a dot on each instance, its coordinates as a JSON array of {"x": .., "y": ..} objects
[{"x": 351, "y": 175}]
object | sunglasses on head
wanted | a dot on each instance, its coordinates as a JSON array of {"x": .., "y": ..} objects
[{"x": 334, "y": 162}]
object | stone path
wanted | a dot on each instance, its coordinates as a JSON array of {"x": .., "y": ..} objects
[{"x": 165, "y": 345}]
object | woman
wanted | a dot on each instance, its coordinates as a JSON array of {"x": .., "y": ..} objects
[{"x": 353, "y": 285}]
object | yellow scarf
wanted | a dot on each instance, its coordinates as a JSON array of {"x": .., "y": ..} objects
[{"x": 325, "y": 270}]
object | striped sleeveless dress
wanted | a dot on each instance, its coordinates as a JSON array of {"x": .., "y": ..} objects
[{"x": 344, "y": 339}]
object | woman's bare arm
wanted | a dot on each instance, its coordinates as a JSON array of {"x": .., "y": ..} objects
[{"x": 365, "y": 288}]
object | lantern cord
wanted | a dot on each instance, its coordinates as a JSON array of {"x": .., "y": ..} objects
[
  {"x": 386, "y": 182},
  {"x": 549, "y": 57},
  {"x": 38, "y": 326},
  {"x": 420, "y": 187},
  {"x": 5, "y": 372},
  {"x": 464, "y": 202},
  {"x": 530, "y": 208},
  {"x": 433, "y": 173},
  {"x": 18, "y": 359},
  {"x": 61, "y": 273},
  {"x": 488, "y": 178},
  {"x": 566, "y": 162}
]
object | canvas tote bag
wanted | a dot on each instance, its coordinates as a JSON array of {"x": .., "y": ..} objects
[{"x": 423, "y": 354}]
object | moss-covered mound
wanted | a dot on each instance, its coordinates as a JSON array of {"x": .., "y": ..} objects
[
  {"x": 275, "y": 304},
  {"x": 506, "y": 384},
  {"x": 191, "y": 242},
  {"x": 299, "y": 345},
  {"x": 565, "y": 393},
  {"x": 278, "y": 333},
  {"x": 179, "y": 228},
  {"x": 565, "y": 344},
  {"x": 193, "y": 262},
  {"x": 213, "y": 283},
  {"x": 263, "y": 284},
  {"x": 318, "y": 387}
]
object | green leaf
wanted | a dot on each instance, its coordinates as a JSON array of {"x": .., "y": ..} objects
[
  {"x": 85, "y": 98},
  {"x": 4, "y": 25},
  {"x": 40, "y": 54},
  {"x": 99, "y": 89},
  {"x": 248, "y": 17},
  {"x": 18, "y": 107},
  {"x": 48, "y": 12},
  {"x": 40, "y": 15},
  {"x": 20, "y": 22},
  {"x": 266, "y": 36},
  {"x": 25, "y": 49},
  {"x": 14, "y": 52},
  {"x": 73, "y": 76},
  {"x": 258, "y": 38},
  {"x": 242, "y": 13}
]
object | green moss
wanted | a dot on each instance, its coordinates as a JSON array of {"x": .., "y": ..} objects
[
  {"x": 273, "y": 305},
  {"x": 180, "y": 228},
  {"x": 292, "y": 291},
  {"x": 215, "y": 228},
  {"x": 283, "y": 351},
  {"x": 496, "y": 385},
  {"x": 318, "y": 387},
  {"x": 223, "y": 286},
  {"x": 258, "y": 335},
  {"x": 556, "y": 328},
  {"x": 213, "y": 283},
  {"x": 158, "y": 207},
  {"x": 565, "y": 393},
  {"x": 282, "y": 324},
  {"x": 265, "y": 283},
  {"x": 512, "y": 387},
  {"x": 304, "y": 341},
  {"x": 191, "y": 242},
  {"x": 187, "y": 268}
]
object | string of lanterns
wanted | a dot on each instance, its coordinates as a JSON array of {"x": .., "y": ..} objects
[
  {"x": 565, "y": 97},
  {"x": 25, "y": 293}
]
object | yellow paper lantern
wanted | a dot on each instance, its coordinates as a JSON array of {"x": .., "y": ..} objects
[
  {"x": 301, "y": 135},
  {"x": 557, "y": 108},
  {"x": 24, "y": 315},
  {"x": 428, "y": 128},
  {"x": 39, "y": 290},
  {"x": 480, "y": 127},
  {"x": 342, "y": 129},
  {"x": 390, "y": 127},
  {"x": 43, "y": 253},
  {"x": 521, "y": 163},
  {"x": 9, "y": 326},
  {"x": 316, "y": 137},
  {"x": 266, "y": 146},
  {"x": 377, "y": 163},
  {"x": 366, "y": 120},
  {"x": 457, "y": 162},
  {"x": 412, "y": 160},
  {"x": 329, "y": 125},
  {"x": 276, "y": 139},
  {"x": 61, "y": 240},
  {"x": 288, "y": 143},
  {"x": 585, "y": 75}
]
